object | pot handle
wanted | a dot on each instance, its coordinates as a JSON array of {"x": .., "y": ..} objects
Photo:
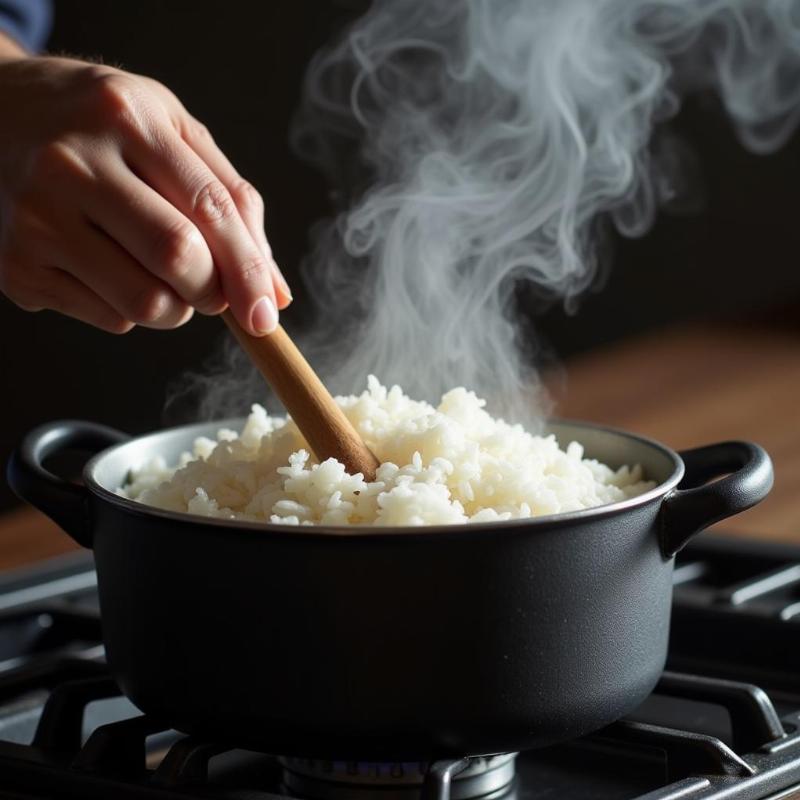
[
  {"x": 696, "y": 504},
  {"x": 64, "y": 502}
]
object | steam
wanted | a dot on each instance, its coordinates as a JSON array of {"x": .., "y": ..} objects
[
  {"x": 479, "y": 144},
  {"x": 496, "y": 135}
]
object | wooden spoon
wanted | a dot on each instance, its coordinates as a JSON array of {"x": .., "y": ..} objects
[{"x": 324, "y": 425}]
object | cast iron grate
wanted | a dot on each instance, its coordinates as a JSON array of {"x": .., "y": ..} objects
[{"x": 113, "y": 760}]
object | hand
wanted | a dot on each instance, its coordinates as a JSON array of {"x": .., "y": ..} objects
[{"x": 117, "y": 208}]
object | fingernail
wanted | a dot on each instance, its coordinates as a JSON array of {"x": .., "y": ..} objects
[
  {"x": 264, "y": 318},
  {"x": 282, "y": 285}
]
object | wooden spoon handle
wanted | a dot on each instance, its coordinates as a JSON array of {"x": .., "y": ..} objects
[{"x": 324, "y": 425}]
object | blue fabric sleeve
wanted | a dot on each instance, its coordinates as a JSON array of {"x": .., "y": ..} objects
[{"x": 27, "y": 21}]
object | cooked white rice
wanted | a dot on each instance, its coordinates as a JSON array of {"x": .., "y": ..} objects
[{"x": 450, "y": 464}]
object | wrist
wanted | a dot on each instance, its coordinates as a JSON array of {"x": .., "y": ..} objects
[{"x": 11, "y": 49}]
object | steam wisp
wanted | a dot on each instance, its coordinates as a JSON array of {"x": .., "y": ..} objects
[
  {"x": 496, "y": 134},
  {"x": 476, "y": 144}
]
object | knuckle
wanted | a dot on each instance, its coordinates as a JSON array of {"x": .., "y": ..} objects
[
  {"x": 149, "y": 306},
  {"x": 197, "y": 131},
  {"x": 246, "y": 195},
  {"x": 254, "y": 271},
  {"x": 114, "y": 97},
  {"x": 55, "y": 159},
  {"x": 94, "y": 73},
  {"x": 213, "y": 204},
  {"x": 176, "y": 250},
  {"x": 55, "y": 162}
]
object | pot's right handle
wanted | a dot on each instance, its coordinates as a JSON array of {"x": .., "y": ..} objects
[
  {"x": 697, "y": 504},
  {"x": 64, "y": 502}
]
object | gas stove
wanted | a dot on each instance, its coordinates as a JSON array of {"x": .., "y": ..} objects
[{"x": 724, "y": 721}]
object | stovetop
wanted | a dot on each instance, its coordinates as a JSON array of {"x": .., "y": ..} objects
[{"x": 724, "y": 722}]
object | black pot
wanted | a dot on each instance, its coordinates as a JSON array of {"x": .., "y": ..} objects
[{"x": 388, "y": 643}]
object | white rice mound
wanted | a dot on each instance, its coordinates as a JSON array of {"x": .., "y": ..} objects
[{"x": 446, "y": 465}]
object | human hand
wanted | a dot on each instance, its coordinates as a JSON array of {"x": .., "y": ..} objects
[{"x": 118, "y": 209}]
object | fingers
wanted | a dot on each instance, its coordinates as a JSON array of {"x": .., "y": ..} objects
[
  {"x": 142, "y": 221},
  {"x": 155, "y": 234},
  {"x": 174, "y": 170},
  {"x": 51, "y": 288},
  {"x": 34, "y": 287},
  {"x": 248, "y": 200},
  {"x": 131, "y": 291},
  {"x": 87, "y": 276}
]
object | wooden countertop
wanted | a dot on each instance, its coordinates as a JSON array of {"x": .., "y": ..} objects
[
  {"x": 692, "y": 386},
  {"x": 684, "y": 386}
]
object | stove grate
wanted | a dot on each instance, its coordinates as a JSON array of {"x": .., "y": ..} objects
[
  {"x": 724, "y": 721},
  {"x": 113, "y": 760}
]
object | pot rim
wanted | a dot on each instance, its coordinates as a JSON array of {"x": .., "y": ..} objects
[{"x": 380, "y": 532}]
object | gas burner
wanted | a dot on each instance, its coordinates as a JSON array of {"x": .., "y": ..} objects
[{"x": 483, "y": 777}]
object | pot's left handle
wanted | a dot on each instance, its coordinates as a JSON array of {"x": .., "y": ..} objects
[
  {"x": 720, "y": 480},
  {"x": 64, "y": 502}
]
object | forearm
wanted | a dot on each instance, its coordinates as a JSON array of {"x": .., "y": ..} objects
[{"x": 10, "y": 48}]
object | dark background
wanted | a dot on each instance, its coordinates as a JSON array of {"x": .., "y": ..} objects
[{"x": 238, "y": 66}]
